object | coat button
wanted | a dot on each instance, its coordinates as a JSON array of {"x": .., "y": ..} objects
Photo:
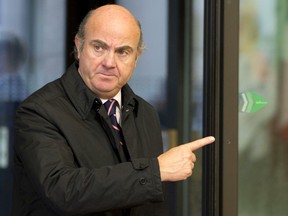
[
  {"x": 143, "y": 181},
  {"x": 142, "y": 166}
]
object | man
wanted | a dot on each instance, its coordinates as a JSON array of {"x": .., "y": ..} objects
[{"x": 69, "y": 158}]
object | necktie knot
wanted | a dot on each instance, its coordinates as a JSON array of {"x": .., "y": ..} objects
[{"x": 110, "y": 106}]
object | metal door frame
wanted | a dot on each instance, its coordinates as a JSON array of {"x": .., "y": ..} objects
[{"x": 220, "y": 160}]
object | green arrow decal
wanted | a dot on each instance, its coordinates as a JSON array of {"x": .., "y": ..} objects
[{"x": 252, "y": 102}]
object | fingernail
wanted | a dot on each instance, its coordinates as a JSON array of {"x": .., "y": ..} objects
[{"x": 212, "y": 139}]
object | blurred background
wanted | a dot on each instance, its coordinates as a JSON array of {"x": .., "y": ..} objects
[
  {"x": 263, "y": 135},
  {"x": 36, "y": 44}
]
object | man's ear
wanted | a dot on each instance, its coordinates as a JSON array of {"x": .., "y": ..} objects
[
  {"x": 77, "y": 45},
  {"x": 139, "y": 53},
  {"x": 137, "y": 57}
]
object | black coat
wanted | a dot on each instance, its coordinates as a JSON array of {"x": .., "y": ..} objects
[{"x": 65, "y": 163}]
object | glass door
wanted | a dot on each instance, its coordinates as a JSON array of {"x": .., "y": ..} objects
[
  {"x": 263, "y": 116},
  {"x": 245, "y": 107}
]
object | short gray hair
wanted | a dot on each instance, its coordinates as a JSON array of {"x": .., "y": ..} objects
[{"x": 81, "y": 35}]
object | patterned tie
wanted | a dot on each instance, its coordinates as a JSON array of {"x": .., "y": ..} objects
[{"x": 110, "y": 106}]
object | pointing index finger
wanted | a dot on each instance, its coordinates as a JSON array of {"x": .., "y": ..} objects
[{"x": 201, "y": 142}]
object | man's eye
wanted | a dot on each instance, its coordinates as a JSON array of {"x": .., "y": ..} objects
[
  {"x": 98, "y": 48},
  {"x": 123, "y": 52}
]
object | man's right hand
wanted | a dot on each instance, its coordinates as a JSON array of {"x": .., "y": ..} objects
[{"x": 177, "y": 163}]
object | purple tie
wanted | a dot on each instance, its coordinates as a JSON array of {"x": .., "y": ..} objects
[{"x": 110, "y": 106}]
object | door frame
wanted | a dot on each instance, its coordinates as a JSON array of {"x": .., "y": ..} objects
[{"x": 221, "y": 56}]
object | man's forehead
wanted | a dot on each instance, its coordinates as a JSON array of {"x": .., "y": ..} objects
[
  {"x": 107, "y": 45},
  {"x": 116, "y": 27},
  {"x": 112, "y": 35},
  {"x": 112, "y": 16}
]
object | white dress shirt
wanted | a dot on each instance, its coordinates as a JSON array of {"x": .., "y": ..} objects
[{"x": 118, "y": 98}]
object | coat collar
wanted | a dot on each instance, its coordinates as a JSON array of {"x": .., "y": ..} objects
[{"x": 84, "y": 99}]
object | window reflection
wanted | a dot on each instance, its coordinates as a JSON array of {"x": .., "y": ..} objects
[
  {"x": 12, "y": 92},
  {"x": 263, "y": 139},
  {"x": 12, "y": 57},
  {"x": 31, "y": 54}
]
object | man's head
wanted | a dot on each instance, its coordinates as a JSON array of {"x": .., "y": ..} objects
[
  {"x": 108, "y": 44},
  {"x": 12, "y": 52}
]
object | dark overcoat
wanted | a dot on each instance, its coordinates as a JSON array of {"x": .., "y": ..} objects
[{"x": 65, "y": 163}]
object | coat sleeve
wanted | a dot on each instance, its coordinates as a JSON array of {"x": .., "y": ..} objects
[{"x": 50, "y": 166}]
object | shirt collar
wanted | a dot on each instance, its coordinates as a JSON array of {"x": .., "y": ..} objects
[
  {"x": 117, "y": 97},
  {"x": 84, "y": 99}
]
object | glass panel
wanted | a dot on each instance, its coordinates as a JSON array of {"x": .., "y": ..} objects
[
  {"x": 195, "y": 192},
  {"x": 263, "y": 116},
  {"x": 31, "y": 54}
]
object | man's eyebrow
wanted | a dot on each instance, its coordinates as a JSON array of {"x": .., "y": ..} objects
[
  {"x": 126, "y": 47},
  {"x": 100, "y": 42},
  {"x": 105, "y": 45}
]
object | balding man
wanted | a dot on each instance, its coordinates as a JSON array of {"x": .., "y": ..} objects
[{"x": 72, "y": 158}]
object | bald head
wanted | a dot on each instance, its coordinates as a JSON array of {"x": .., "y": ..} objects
[
  {"x": 108, "y": 44},
  {"x": 110, "y": 15},
  {"x": 115, "y": 11}
]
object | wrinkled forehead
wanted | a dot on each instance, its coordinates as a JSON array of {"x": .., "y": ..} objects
[{"x": 113, "y": 24}]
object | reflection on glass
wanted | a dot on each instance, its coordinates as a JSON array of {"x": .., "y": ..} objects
[
  {"x": 263, "y": 134},
  {"x": 12, "y": 92},
  {"x": 4, "y": 147},
  {"x": 195, "y": 189},
  {"x": 12, "y": 56},
  {"x": 31, "y": 54}
]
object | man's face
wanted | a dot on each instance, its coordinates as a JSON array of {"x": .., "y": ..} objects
[{"x": 109, "y": 53}]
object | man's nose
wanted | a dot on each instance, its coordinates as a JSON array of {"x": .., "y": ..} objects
[{"x": 109, "y": 59}]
